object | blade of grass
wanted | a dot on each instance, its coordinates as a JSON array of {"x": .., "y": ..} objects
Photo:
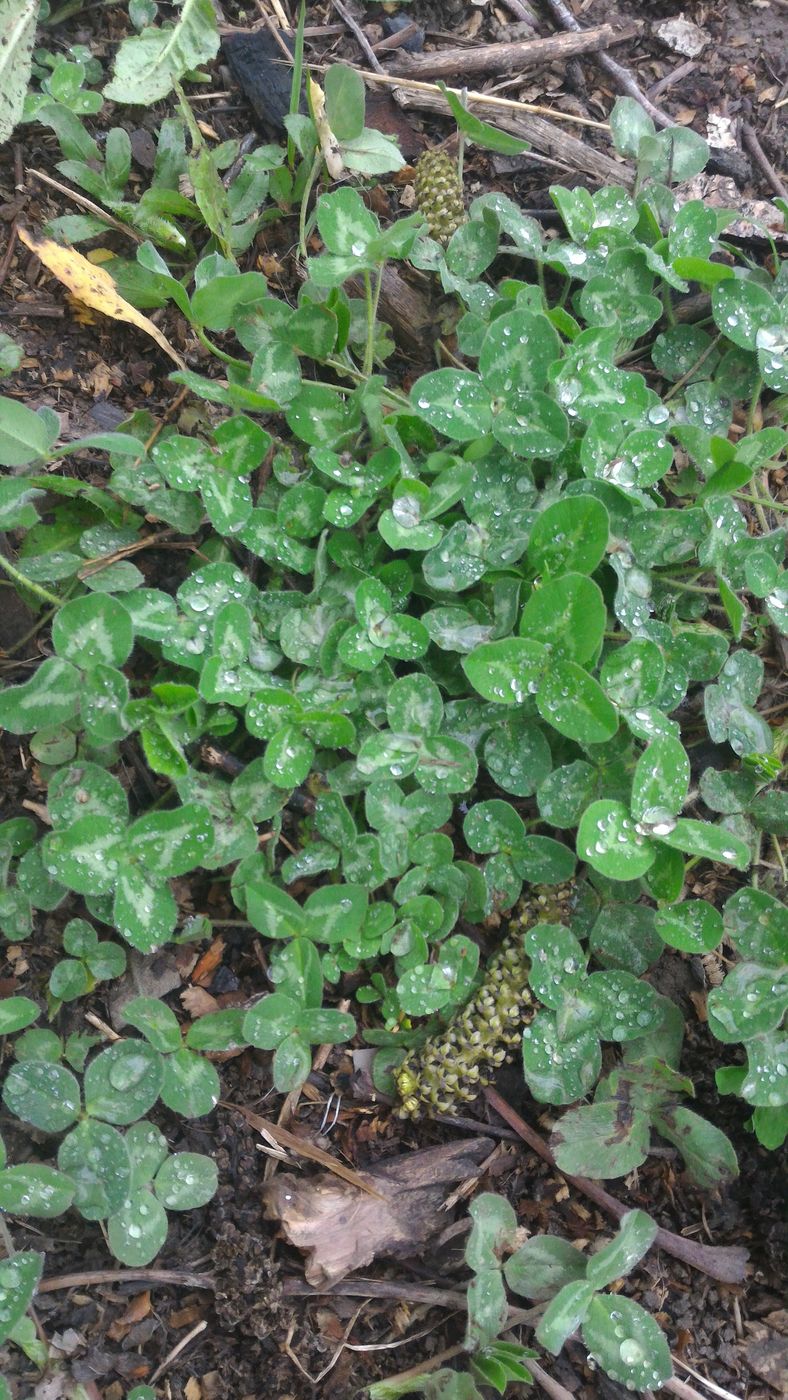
[{"x": 298, "y": 73}]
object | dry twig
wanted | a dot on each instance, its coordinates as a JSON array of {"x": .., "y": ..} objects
[
  {"x": 176, "y": 1351},
  {"x": 19, "y": 176},
  {"x": 758, "y": 154},
  {"x": 177, "y": 1278},
  {"x": 727, "y": 1264},
  {"x": 545, "y": 136},
  {"x": 359, "y": 35},
  {"x": 88, "y": 204},
  {"x": 507, "y": 58},
  {"x": 622, "y": 76},
  {"x": 303, "y": 1148},
  {"x": 489, "y": 99},
  {"x": 525, "y": 13}
]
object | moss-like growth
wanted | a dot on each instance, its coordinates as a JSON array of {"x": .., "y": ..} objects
[
  {"x": 439, "y": 194},
  {"x": 456, "y": 1064}
]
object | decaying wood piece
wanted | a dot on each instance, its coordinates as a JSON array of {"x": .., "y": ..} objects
[
  {"x": 544, "y": 136},
  {"x": 758, "y": 218},
  {"x": 412, "y": 316},
  {"x": 508, "y": 58},
  {"x": 342, "y": 1229}
]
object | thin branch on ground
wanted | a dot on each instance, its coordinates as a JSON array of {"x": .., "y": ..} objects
[
  {"x": 174, "y": 1278},
  {"x": 359, "y": 35},
  {"x": 525, "y": 13},
  {"x": 750, "y": 140},
  {"x": 688, "y": 1392},
  {"x": 321, "y": 1375},
  {"x": 554, "y": 1389},
  {"x": 622, "y": 76},
  {"x": 19, "y": 175},
  {"x": 176, "y": 1351},
  {"x": 725, "y": 1263},
  {"x": 88, "y": 204},
  {"x": 407, "y": 1292}
]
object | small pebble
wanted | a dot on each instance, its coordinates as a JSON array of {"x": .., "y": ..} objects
[{"x": 394, "y": 24}]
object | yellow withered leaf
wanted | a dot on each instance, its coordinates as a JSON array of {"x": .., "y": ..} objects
[{"x": 93, "y": 286}]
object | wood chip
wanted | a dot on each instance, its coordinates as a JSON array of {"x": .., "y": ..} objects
[{"x": 341, "y": 1230}]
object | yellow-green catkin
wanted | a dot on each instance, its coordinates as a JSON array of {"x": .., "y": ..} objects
[
  {"x": 456, "y": 1064},
  {"x": 439, "y": 194}
]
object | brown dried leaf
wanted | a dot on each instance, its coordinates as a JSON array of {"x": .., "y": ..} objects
[
  {"x": 197, "y": 1002},
  {"x": 206, "y": 965},
  {"x": 138, "y": 1308},
  {"x": 146, "y": 975},
  {"x": 185, "y": 1317}
]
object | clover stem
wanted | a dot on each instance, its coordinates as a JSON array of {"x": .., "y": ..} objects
[
  {"x": 220, "y": 354},
  {"x": 461, "y": 144},
  {"x": 341, "y": 368},
  {"x": 5, "y": 1236},
  {"x": 444, "y": 349},
  {"x": 679, "y": 384},
  {"x": 312, "y": 176},
  {"x": 756, "y": 501},
  {"x": 754, "y": 401},
  {"x": 35, "y": 588},
  {"x": 373, "y": 300},
  {"x": 688, "y": 587}
]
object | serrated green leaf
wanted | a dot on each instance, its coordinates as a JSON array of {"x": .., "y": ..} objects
[
  {"x": 148, "y": 65},
  {"x": 145, "y": 913},
  {"x": 25, "y": 436},
  {"x": 564, "y": 1315},
  {"x": 186, "y": 1180},
  {"x": 609, "y": 840},
  {"x": 47, "y": 1096},
  {"x": 16, "y": 1013},
  {"x": 636, "y": 1234},
  {"x": 18, "y": 19},
  {"x": 570, "y": 535},
  {"x": 574, "y": 703},
  {"x": 601, "y": 1140},
  {"x": 506, "y": 671},
  {"x": 86, "y": 857},
  {"x": 138, "y": 1230},
  {"x": 710, "y": 842},
  {"x": 454, "y": 402},
  {"x": 542, "y": 1266}
]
